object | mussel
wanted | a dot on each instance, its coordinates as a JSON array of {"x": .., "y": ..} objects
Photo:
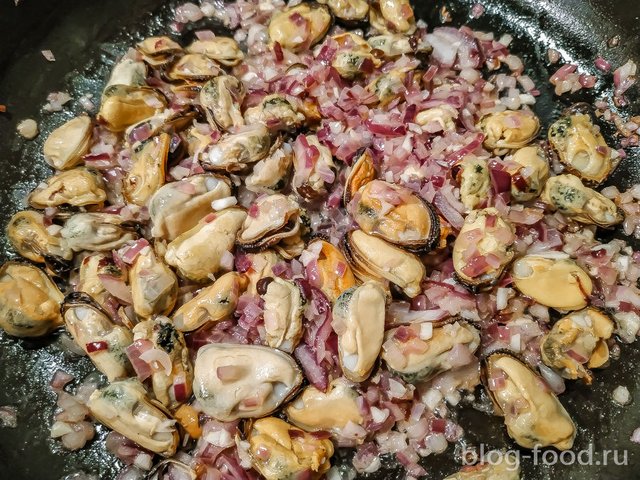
[
  {"x": 279, "y": 450},
  {"x": 283, "y": 309},
  {"x": 94, "y": 331},
  {"x": 420, "y": 351},
  {"x": 148, "y": 171},
  {"x": 158, "y": 51},
  {"x": 198, "y": 252},
  {"x": 314, "y": 410},
  {"x": 154, "y": 287},
  {"x": 224, "y": 50},
  {"x": 533, "y": 415},
  {"x": 529, "y": 170},
  {"x": 168, "y": 357},
  {"x": 396, "y": 214},
  {"x": 123, "y": 106},
  {"x": 392, "y": 16},
  {"x": 221, "y": 99},
  {"x": 235, "y": 151},
  {"x": 362, "y": 172},
  {"x": 483, "y": 248},
  {"x": 300, "y": 27},
  {"x": 125, "y": 407},
  {"x": 375, "y": 259},
  {"x": 509, "y": 129},
  {"x": 313, "y": 166},
  {"x": 334, "y": 275},
  {"x": 358, "y": 320},
  {"x": 32, "y": 240},
  {"x": 553, "y": 280},
  {"x": 277, "y": 112},
  {"x": 178, "y": 206},
  {"x": 79, "y": 187},
  {"x": 572, "y": 198},
  {"x": 576, "y": 342},
  {"x": 66, "y": 145},
  {"x": 270, "y": 174},
  {"x": 349, "y": 11},
  {"x": 29, "y": 301},
  {"x": 97, "y": 232},
  {"x": 212, "y": 304},
  {"x": 475, "y": 181},
  {"x": 581, "y": 148},
  {"x": 271, "y": 218},
  {"x": 243, "y": 381}
]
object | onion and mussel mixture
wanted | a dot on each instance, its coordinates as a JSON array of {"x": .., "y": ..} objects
[{"x": 330, "y": 229}]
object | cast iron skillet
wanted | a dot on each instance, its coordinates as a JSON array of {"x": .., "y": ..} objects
[{"x": 86, "y": 36}]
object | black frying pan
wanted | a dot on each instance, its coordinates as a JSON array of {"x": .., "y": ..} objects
[{"x": 86, "y": 36}]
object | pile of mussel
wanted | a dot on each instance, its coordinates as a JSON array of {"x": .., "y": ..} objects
[{"x": 124, "y": 307}]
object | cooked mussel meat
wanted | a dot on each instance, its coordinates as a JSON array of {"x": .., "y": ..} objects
[
  {"x": 123, "y": 106},
  {"x": 509, "y": 129},
  {"x": 553, "y": 280},
  {"x": 392, "y": 16},
  {"x": 66, "y": 145},
  {"x": 333, "y": 275},
  {"x": 154, "y": 286},
  {"x": 94, "y": 331},
  {"x": 79, "y": 187},
  {"x": 362, "y": 172},
  {"x": 373, "y": 258},
  {"x": 533, "y": 415},
  {"x": 29, "y": 301},
  {"x": 483, "y": 248},
  {"x": 475, "y": 181},
  {"x": 194, "y": 68},
  {"x": 97, "y": 232},
  {"x": 529, "y": 170},
  {"x": 576, "y": 342},
  {"x": 313, "y": 166},
  {"x": 283, "y": 309},
  {"x": 300, "y": 27},
  {"x": 212, "y": 304},
  {"x": 568, "y": 195},
  {"x": 420, "y": 351},
  {"x": 221, "y": 98},
  {"x": 271, "y": 218},
  {"x": 396, "y": 214},
  {"x": 158, "y": 51},
  {"x": 581, "y": 148},
  {"x": 198, "y": 252},
  {"x": 148, "y": 169},
  {"x": 243, "y": 381},
  {"x": 270, "y": 174},
  {"x": 350, "y": 11},
  {"x": 170, "y": 367},
  {"x": 314, "y": 410},
  {"x": 125, "y": 407},
  {"x": 279, "y": 450},
  {"x": 358, "y": 320},
  {"x": 235, "y": 151},
  {"x": 277, "y": 112},
  {"x": 224, "y": 50},
  {"x": 178, "y": 206},
  {"x": 31, "y": 239}
]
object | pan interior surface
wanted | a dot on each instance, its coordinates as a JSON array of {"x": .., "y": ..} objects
[{"x": 87, "y": 37}]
